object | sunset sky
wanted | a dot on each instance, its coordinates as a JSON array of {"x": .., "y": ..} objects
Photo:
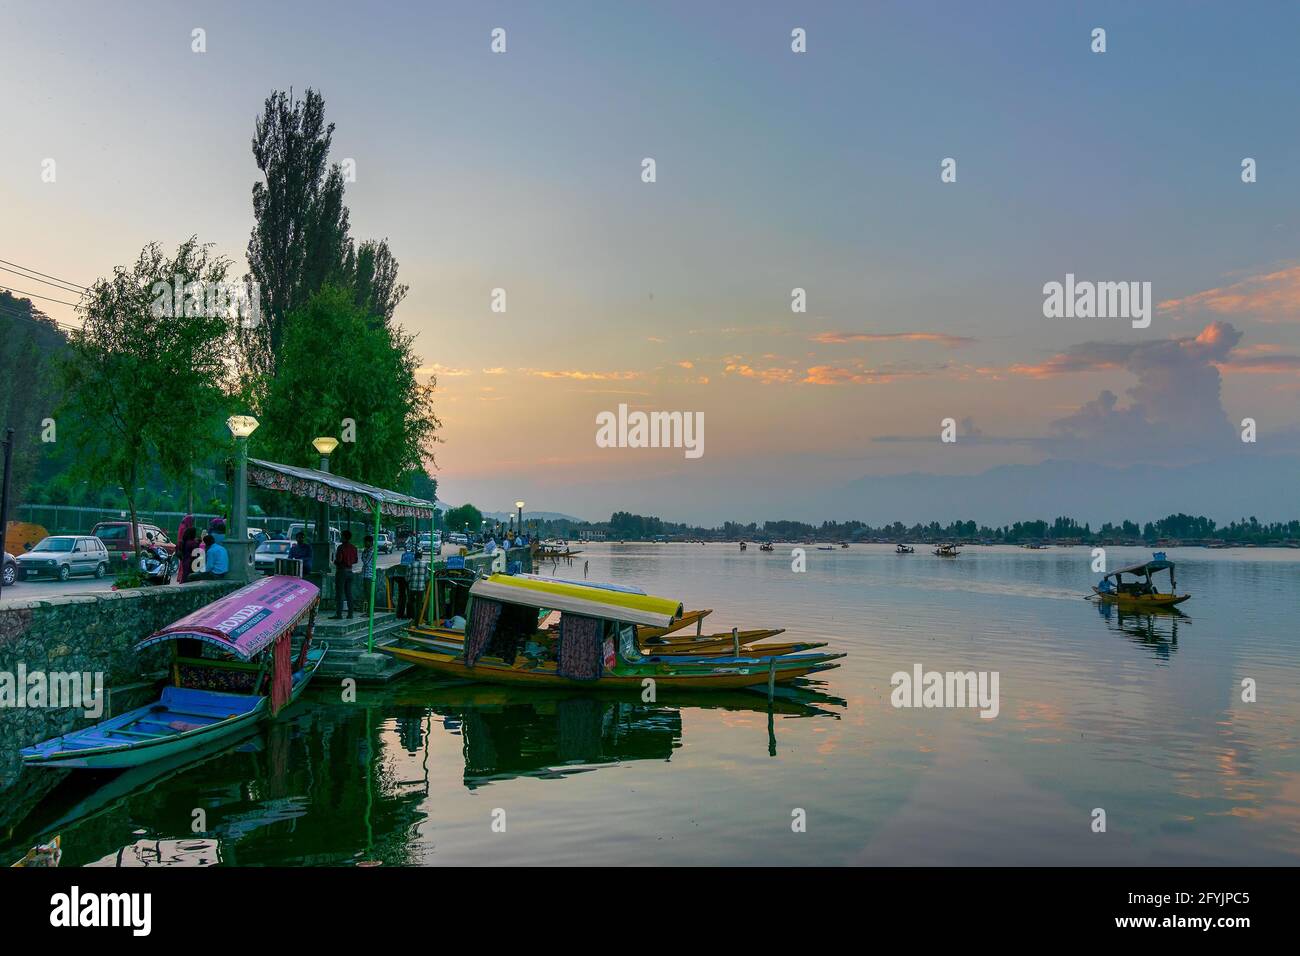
[{"x": 775, "y": 170}]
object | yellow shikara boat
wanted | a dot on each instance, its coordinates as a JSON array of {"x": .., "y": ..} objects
[
  {"x": 683, "y": 620},
  {"x": 1141, "y": 592},
  {"x": 595, "y": 645}
]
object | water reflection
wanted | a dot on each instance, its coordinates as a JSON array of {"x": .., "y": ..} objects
[
  {"x": 1156, "y": 629},
  {"x": 335, "y": 784},
  {"x": 547, "y": 734}
]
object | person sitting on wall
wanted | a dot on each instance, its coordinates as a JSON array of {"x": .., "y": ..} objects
[{"x": 216, "y": 561}]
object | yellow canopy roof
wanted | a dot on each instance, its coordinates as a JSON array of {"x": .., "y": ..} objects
[{"x": 643, "y": 609}]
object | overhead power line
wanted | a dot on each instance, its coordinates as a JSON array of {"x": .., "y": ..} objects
[
  {"x": 74, "y": 285},
  {"x": 35, "y": 296},
  {"x": 50, "y": 282}
]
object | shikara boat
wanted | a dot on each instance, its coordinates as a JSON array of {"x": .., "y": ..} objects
[
  {"x": 904, "y": 549},
  {"x": 766, "y": 546},
  {"x": 1141, "y": 592},
  {"x": 685, "y": 620},
  {"x": 947, "y": 551},
  {"x": 252, "y": 674},
  {"x": 596, "y": 643}
]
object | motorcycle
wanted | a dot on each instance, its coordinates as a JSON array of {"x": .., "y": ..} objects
[{"x": 157, "y": 566}]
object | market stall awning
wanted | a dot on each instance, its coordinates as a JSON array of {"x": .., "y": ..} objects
[{"x": 335, "y": 490}]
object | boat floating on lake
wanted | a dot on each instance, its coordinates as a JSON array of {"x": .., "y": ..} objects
[
  {"x": 595, "y": 644},
  {"x": 1141, "y": 592},
  {"x": 904, "y": 549},
  {"x": 946, "y": 551},
  {"x": 253, "y": 675}
]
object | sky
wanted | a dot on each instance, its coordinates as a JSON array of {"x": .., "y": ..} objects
[{"x": 774, "y": 171}]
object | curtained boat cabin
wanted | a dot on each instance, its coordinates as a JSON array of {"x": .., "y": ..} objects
[{"x": 594, "y": 643}]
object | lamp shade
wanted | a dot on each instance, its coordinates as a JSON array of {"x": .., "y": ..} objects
[
  {"x": 325, "y": 444},
  {"x": 519, "y": 504},
  {"x": 241, "y": 426}
]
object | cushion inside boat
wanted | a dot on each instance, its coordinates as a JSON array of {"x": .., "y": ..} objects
[{"x": 180, "y": 726}]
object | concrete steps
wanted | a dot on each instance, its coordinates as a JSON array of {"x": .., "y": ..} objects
[{"x": 348, "y": 656}]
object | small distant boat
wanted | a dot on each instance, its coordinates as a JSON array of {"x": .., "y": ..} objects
[
  {"x": 843, "y": 544},
  {"x": 946, "y": 551},
  {"x": 1140, "y": 592},
  {"x": 212, "y": 697},
  {"x": 743, "y": 546},
  {"x": 766, "y": 546},
  {"x": 904, "y": 549},
  {"x": 825, "y": 547}
]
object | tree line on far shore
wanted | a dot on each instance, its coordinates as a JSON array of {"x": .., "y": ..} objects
[
  {"x": 139, "y": 394},
  {"x": 1177, "y": 527}
]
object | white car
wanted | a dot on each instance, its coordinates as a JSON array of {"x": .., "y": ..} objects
[
  {"x": 266, "y": 553},
  {"x": 63, "y": 555},
  {"x": 385, "y": 542}
]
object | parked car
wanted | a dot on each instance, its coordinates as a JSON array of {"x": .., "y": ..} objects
[
  {"x": 267, "y": 552},
  {"x": 11, "y": 570},
  {"x": 63, "y": 555},
  {"x": 120, "y": 542},
  {"x": 385, "y": 542}
]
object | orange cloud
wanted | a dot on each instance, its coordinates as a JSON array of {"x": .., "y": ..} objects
[
  {"x": 1271, "y": 297},
  {"x": 839, "y": 375},
  {"x": 843, "y": 338},
  {"x": 582, "y": 376},
  {"x": 768, "y": 376}
]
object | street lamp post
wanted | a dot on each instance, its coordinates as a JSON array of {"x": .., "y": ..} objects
[
  {"x": 320, "y": 546},
  {"x": 519, "y": 525},
  {"x": 4, "y": 492},
  {"x": 237, "y": 544}
]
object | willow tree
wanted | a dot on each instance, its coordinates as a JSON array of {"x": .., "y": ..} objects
[{"x": 142, "y": 378}]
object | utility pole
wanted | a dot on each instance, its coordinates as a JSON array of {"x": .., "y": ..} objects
[{"x": 4, "y": 497}]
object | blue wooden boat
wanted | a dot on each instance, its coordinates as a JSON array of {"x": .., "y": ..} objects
[{"x": 250, "y": 674}]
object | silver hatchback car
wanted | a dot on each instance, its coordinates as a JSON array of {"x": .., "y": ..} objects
[{"x": 63, "y": 555}]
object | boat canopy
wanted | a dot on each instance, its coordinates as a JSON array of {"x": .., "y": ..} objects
[
  {"x": 626, "y": 588},
  {"x": 645, "y": 609},
  {"x": 1146, "y": 568},
  {"x": 247, "y": 621}
]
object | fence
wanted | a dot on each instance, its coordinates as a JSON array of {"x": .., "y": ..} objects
[{"x": 72, "y": 519}]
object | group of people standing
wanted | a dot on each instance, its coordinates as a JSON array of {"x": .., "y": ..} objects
[{"x": 410, "y": 579}]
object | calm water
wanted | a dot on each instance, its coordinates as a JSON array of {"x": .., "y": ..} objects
[{"x": 1140, "y": 715}]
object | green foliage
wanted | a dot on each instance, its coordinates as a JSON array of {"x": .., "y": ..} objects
[
  {"x": 30, "y": 343},
  {"x": 141, "y": 391},
  {"x": 335, "y": 365},
  {"x": 457, "y": 519},
  {"x": 299, "y": 239}
]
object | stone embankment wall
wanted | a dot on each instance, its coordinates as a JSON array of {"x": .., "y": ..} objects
[{"x": 86, "y": 633}]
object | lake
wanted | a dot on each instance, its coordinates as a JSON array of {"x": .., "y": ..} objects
[{"x": 1137, "y": 715}]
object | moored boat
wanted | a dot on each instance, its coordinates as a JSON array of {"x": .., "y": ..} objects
[
  {"x": 1141, "y": 592},
  {"x": 904, "y": 549},
  {"x": 595, "y": 644},
  {"x": 947, "y": 551},
  {"x": 253, "y": 675}
]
